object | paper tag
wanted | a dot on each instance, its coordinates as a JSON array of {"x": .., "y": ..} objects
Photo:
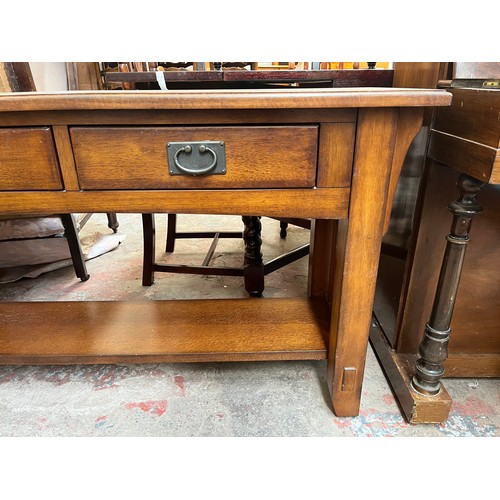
[{"x": 160, "y": 78}]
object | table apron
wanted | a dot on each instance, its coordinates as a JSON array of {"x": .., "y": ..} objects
[{"x": 323, "y": 203}]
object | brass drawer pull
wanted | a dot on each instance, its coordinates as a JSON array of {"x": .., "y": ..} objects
[{"x": 195, "y": 155}]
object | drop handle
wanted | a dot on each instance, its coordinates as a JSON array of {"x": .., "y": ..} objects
[{"x": 186, "y": 150}]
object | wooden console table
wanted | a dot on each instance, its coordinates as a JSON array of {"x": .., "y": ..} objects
[{"x": 330, "y": 155}]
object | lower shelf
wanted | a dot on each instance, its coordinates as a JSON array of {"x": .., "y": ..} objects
[{"x": 163, "y": 331}]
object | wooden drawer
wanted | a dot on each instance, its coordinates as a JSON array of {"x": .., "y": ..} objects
[
  {"x": 28, "y": 160},
  {"x": 136, "y": 157}
]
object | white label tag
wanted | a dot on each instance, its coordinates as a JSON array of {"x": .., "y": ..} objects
[{"x": 160, "y": 78}]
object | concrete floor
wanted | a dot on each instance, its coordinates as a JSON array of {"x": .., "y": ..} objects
[{"x": 207, "y": 399}]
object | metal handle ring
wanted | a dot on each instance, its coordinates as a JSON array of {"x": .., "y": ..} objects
[{"x": 191, "y": 171}]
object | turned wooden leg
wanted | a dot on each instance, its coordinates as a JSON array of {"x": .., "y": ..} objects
[
  {"x": 148, "y": 235},
  {"x": 253, "y": 267},
  {"x": 434, "y": 346},
  {"x": 283, "y": 229},
  {"x": 113, "y": 221}
]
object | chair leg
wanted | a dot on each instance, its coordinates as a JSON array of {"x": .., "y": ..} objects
[
  {"x": 253, "y": 269},
  {"x": 74, "y": 247},
  {"x": 253, "y": 266},
  {"x": 283, "y": 228},
  {"x": 148, "y": 234},
  {"x": 112, "y": 221},
  {"x": 171, "y": 232}
]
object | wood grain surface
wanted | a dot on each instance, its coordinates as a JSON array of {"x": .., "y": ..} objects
[
  {"x": 300, "y": 203},
  {"x": 357, "y": 252},
  {"x": 163, "y": 331},
  {"x": 28, "y": 159},
  {"x": 344, "y": 271},
  {"x": 136, "y": 157},
  {"x": 220, "y": 99}
]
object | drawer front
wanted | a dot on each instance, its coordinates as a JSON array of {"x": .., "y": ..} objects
[
  {"x": 136, "y": 157},
  {"x": 28, "y": 160}
]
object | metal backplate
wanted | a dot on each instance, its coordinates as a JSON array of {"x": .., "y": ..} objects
[{"x": 196, "y": 158}]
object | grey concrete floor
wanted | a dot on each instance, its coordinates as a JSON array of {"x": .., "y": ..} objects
[{"x": 206, "y": 399}]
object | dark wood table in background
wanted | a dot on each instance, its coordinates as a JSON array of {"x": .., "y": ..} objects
[{"x": 238, "y": 79}]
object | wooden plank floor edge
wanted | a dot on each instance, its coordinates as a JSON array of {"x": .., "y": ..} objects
[
  {"x": 417, "y": 409},
  {"x": 163, "y": 331}
]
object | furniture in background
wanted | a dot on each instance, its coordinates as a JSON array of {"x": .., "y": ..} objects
[
  {"x": 352, "y": 143},
  {"x": 253, "y": 270},
  {"x": 40, "y": 240},
  {"x": 285, "y": 222},
  {"x": 411, "y": 289},
  {"x": 30, "y": 241},
  {"x": 145, "y": 76},
  {"x": 16, "y": 77},
  {"x": 84, "y": 76},
  {"x": 173, "y": 234},
  {"x": 133, "y": 76}
]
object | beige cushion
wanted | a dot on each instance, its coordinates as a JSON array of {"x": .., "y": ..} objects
[
  {"x": 33, "y": 251},
  {"x": 38, "y": 226},
  {"x": 35, "y": 227}
]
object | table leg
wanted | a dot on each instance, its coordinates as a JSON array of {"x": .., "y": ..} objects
[
  {"x": 434, "y": 346},
  {"x": 253, "y": 266},
  {"x": 320, "y": 255},
  {"x": 356, "y": 252}
]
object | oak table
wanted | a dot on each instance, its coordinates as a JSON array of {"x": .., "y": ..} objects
[{"x": 332, "y": 155}]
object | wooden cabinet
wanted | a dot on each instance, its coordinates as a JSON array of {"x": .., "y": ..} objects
[{"x": 463, "y": 139}]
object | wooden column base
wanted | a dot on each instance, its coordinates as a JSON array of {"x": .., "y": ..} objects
[{"x": 399, "y": 368}]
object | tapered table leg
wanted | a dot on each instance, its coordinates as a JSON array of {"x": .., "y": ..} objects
[
  {"x": 253, "y": 266},
  {"x": 434, "y": 346}
]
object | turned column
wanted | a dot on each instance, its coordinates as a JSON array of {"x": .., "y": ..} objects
[
  {"x": 253, "y": 267},
  {"x": 434, "y": 346}
]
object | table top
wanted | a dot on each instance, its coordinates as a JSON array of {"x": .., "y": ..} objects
[{"x": 225, "y": 99}]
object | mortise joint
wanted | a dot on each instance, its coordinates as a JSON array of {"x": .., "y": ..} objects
[{"x": 348, "y": 379}]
